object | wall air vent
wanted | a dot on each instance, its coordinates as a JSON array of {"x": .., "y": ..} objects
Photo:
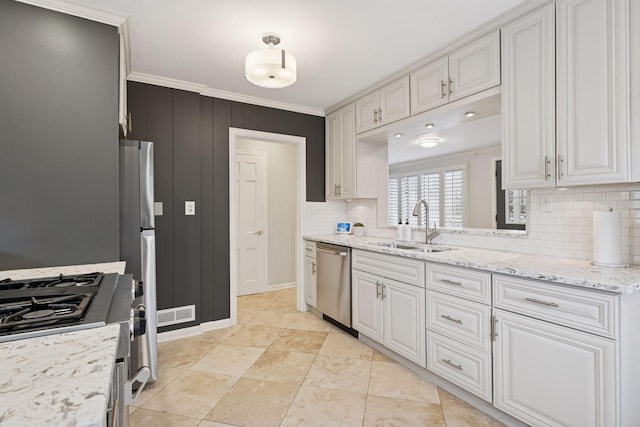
[{"x": 172, "y": 316}]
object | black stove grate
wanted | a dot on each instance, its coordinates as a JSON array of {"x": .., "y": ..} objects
[
  {"x": 61, "y": 281},
  {"x": 32, "y": 312}
]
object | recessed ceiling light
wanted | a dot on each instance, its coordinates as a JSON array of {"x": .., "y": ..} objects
[
  {"x": 398, "y": 135},
  {"x": 429, "y": 125},
  {"x": 469, "y": 114},
  {"x": 428, "y": 142}
]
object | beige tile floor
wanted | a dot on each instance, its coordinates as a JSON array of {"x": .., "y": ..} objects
[{"x": 279, "y": 367}]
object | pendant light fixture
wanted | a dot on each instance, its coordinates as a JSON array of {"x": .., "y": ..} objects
[{"x": 271, "y": 68}]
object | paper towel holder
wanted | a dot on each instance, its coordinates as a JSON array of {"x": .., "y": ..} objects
[{"x": 607, "y": 264}]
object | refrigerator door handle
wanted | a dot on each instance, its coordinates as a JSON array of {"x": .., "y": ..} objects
[
  {"x": 149, "y": 348},
  {"x": 147, "y": 218}
]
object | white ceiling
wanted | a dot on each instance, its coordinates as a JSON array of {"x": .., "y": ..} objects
[{"x": 341, "y": 46}]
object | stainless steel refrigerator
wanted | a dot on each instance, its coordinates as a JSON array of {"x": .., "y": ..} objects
[{"x": 137, "y": 243}]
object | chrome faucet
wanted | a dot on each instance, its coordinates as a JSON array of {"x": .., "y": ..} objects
[{"x": 429, "y": 236}]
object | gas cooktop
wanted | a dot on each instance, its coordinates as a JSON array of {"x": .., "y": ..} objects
[{"x": 42, "y": 306}]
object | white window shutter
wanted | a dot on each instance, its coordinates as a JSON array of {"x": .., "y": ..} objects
[
  {"x": 392, "y": 213},
  {"x": 454, "y": 198}
]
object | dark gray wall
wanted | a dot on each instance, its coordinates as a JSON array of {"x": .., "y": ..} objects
[
  {"x": 58, "y": 139},
  {"x": 191, "y": 136}
]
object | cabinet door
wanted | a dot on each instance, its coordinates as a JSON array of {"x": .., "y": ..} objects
[
  {"x": 475, "y": 66},
  {"x": 404, "y": 320},
  {"x": 341, "y": 154},
  {"x": 348, "y": 153},
  {"x": 429, "y": 86},
  {"x": 551, "y": 375},
  {"x": 367, "y": 112},
  {"x": 528, "y": 101},
  {"x": 593, "y": 91},
  {"x": 310, "y": 281},
  {"x": 393, "y": 101},
  {"x": 366, "y": 308}
]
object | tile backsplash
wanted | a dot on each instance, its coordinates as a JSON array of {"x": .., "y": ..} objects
[{"x": 560, "y": 223}]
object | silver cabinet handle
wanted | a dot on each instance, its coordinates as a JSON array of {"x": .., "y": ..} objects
[
  {"x": 313, "y": 268},
  {"x": 537, "y": 301},
  {"x": 308, "y": 249},
  {"x": 546, "y": 168},
  {"x": 451, "y": 282},
  {"x": 445, "y": 316},
  {"x": 450, "y": 363},
  {"x": 326, "y": 251},
  {"x": 375, "y": 115},
  {"x": 339, "y": 190},
  {"x": 377, "y": 290},
  {"x": 560, "y": 163},
  {"x": 443, "y": 85},
  {"x": 494, "y": 324},
  {"x": 384, "y": 294},
  {"x": 379, "y": 114},
  {"x": 450, "y": 86}
]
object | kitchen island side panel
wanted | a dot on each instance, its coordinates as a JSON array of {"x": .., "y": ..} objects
[
  {"x": 58, "y": 139},
  {"x": 160, "y": 132}
]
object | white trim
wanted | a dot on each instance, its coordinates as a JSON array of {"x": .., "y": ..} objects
[
  {"x": 194, "y": 330},
  {"x": 221, "y": 94},
  {"x": 279, "y": 286},
  {"x": 81, "y": 11},
  {"x": 300, "y": 143}
]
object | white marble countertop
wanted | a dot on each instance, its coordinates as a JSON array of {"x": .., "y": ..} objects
[
  {"x": 556, "y": 270},
  {"x": 33, "y": 273},
  {"x": 58, "y": 380}
]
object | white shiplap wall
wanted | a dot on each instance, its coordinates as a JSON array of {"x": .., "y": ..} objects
[{"x": 566, "y": 231}]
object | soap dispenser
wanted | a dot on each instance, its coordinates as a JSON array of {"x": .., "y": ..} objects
[
  {"x": 400, "y": 230},
  {"x": 406, "y": 232}
]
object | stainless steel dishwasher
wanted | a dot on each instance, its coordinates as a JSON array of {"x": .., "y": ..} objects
[{"x": 334, "y": 282}]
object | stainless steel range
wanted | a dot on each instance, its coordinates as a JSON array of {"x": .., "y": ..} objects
[{"x": 45, "y": 306}]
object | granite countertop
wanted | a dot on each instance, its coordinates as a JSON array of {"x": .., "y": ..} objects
[
  {"x": 556, "y": 270},
  {"x": 58, "y": 380},
  {"x": 34, "y": 273}
]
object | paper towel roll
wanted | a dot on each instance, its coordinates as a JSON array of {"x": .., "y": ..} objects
[{"x": 607, "y": 235}]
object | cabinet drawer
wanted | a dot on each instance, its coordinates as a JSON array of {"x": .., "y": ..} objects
[
  {"x": 466, "y": 321},
  {"x": 588, "y": 311},
  {"x": 461, "y": 282},
  {"x": 310, "y": 249},
  {"x": 405, "y": 270},
  {"x": 461, "y": 364}
]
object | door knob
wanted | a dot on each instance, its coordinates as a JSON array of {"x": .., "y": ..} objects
[{"x": 259, "y": 232}]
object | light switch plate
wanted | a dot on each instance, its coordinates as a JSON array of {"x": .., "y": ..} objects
[
  {"x": 190, "y": 208},
  {"x": 157, "y": 208},
  {"x": 546, "y": 206}
]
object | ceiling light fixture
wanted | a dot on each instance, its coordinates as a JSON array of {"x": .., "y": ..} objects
[
  {"x": 429, "y": 125},
  {"x": 469, "y": 114},
  {"x": 429, "y": 142},
  {"x": 398, "y": 135},
  {"x": 271, "y": 68}
]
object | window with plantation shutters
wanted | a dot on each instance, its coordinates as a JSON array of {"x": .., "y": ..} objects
[
  {"x": 408, "y": 198},
  {"x": 454, "y": 203},
  {"x": 392, "y": 212},
  {"x": 443, "y": 189}
]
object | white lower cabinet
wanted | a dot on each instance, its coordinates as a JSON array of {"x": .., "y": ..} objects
[
  {"x": 391, "y": 313},
  {"x": 550, "y": 375},
  {"x": 310, "y": 268}
]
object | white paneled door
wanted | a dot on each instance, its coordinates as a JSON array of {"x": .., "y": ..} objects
[{"x": 251, "y": 221}]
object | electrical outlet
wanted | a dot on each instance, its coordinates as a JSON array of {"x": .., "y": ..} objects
[
  {"x": 546, "y": 206},
  {"x": 190, "y": 208}
]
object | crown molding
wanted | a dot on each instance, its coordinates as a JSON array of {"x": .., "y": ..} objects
[
  {"x": 81, "y": 11},
  {"x": 222, "y": 94}
]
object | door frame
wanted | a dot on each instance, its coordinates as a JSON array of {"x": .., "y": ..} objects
[
  {"x": 265, "y": 227},
  {"x": 300, "y": 143}
]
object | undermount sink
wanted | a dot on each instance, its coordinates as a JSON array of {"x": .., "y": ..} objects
[{"x": 418, "y": 247}]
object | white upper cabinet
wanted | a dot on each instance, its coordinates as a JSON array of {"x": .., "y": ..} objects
[
  {"x": 469, "y": 69},
  {"x": 528, "y": 100},
  {"x": 585, "y": 139},
  {"x": 341, "y": 154},
  {"x": 383, "y": 106},
  {"x": 593, "y": 91}
]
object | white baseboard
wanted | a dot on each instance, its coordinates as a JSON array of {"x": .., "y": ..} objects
[
  {"x": 280, "y": 286},
  {"x": 194, "y": 330}
]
